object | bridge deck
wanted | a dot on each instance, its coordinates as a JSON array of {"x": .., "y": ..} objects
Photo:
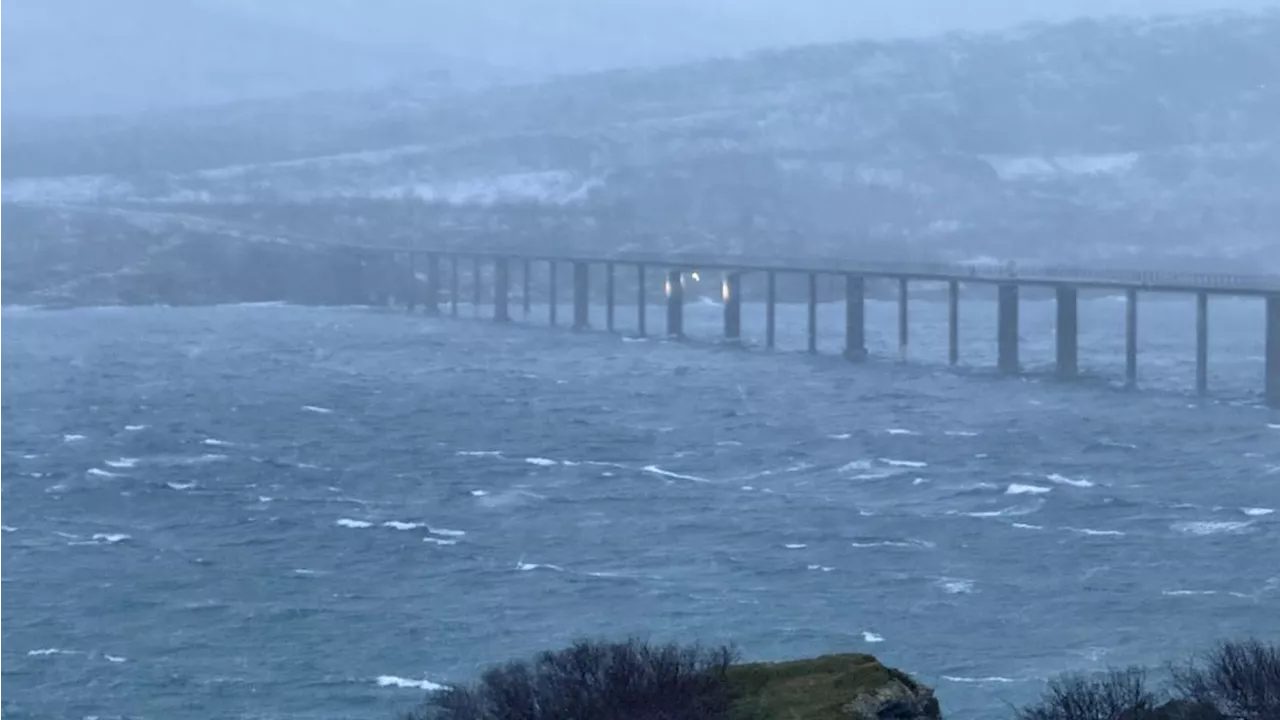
[{"x": 1043, "y": 275}]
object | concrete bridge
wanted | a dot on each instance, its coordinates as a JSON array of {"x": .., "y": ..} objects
[{"x": 432, "y": 278}]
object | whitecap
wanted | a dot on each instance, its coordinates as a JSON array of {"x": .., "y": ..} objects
[
  {"x": 1182, "y": 593},
  {"x": 955, "y": 586},
  {"x": 983, "y": 680},
  {"x": 72, "y": 437},
  {"x": 216, "y": 442},
  {"x": 265, "y": 499},
  {"x": 1274, "y": 426},
  {"x": 400, "y": 525},
  {"x": 522, "y": 565},
  {"x": 840, "y": 436},
  {"x": 99, "y": 472},
  {"x": 900, "y": 431},
  {"x": 110, "y": 538},
  {"x": 855, "y": 465},
  {"x": 1064, "y": 480},
  {"x": 908, "y": 543},
  {"x": 114, "y": 658},
  {"x": 667, "y": 473},
  {"x": 540, "y": 461},
  {"x": 795, "y": 546},
  {"x": 1010, "y": 511},
  {"x": 822, "y": 568},
  {"x": 123, "y": 462},
  {"x": 728, "y": 443},
  {"x": 30, "y": 456},
  {"x": 1028, "y": 526},
  {"x": 479, "y": 493},
  {"x": 1020, "y": 489},
  {"x": 8, "y": 528},
  {"x": 439, "y": 541},
  {"x": 1256, "y": 511},
  {"x": 52, "y": 651},
  {"x": 961, "y": 433},
  {"x": 904, "y": 463},
  {"x": 631, "y": 339},
  {"x": 180, "y": 486},
  {"x": 868, "y": 636},
  {"x": 135, "y": 428},
  {"x": 919, "y": 481},
  {"x": 399, "y": 682},
  {"x": 1209, "y": 527},
  {"x": 1096, "y": 533},
  {"x": 349, "y": 523},
  {"x": 446, "y": 532},
  {"x": 479, "y": 453},
  {"x": 748, "y": 488},
  {"x": 317, "y": 409}
]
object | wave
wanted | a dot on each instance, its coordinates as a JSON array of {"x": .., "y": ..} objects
[{"x": 396, "y": 681}]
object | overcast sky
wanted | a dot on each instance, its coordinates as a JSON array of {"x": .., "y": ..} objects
[{"x": 74, "y": 56}]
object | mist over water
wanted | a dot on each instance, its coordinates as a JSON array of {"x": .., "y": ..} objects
[{"x": 277, "y": 511}]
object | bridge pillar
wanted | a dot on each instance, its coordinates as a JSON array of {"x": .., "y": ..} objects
[
  {"x": 675, "y": 304},
  {"x": 477, "y": 286},
  {"x": 608, "y": 295},
  {"x": 1007, "y": 329},
  {"x": 642, "y": 302},
  {"x": 953, "y": 323},
  {"x": 1272, "y": 390},
  {"x": 581, "y": 295},
  {"x": 1131, "y": 338},
  {"x": 553, "y": 302},
  {"x": 855, "y": 324},
  {"x": 771, "y": 310},
  {"x": 431, "y": 299},
  {"x": 1202, "y": 343},
  {"x": 411, "y": 292},
  {"x": 526, "y": 294},
  {"x": 813, "y": 312},
  {"x": 902, "y": 320},
  {"x": 453, "y": 285},
  {"x": 501, "y": 281},
  {"x": 1068, "y": 332},
  {"x": 731, "y": 293}
]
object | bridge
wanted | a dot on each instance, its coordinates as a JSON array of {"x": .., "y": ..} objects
[{"x": 414, "y": 276}]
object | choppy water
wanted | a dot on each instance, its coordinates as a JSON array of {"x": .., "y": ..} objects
[{"x": 279, "y": 512}]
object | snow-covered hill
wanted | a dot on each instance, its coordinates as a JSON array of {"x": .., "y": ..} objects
[{"x": 1133, "y": 142}]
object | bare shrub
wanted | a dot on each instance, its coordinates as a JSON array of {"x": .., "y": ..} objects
[
  {"x": 1112, "y": 695},
  {"x": 630, "y": 680},
  {"x": 1241, "y": 680}
]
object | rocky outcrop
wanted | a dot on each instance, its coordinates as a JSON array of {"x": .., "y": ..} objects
[{"x": 830, "y": 687}]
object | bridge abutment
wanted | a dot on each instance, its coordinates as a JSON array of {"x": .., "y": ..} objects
[
  {"x": 1007, "y": 329},
  {"x": 675, "y": 304},
  {"x": 477, "y": 286},
  {"x": 731, "y": 294},
  {"x": 855, "y": 322},
  {"x": 1067, "y": 332}
]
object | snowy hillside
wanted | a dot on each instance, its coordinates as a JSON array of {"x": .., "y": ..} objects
[{"x": 1121, "y": 141}]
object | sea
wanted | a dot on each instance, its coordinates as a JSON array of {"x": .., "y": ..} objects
[{"x": 281, "y": 512}]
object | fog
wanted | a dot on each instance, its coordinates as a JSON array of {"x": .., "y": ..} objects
[
  {"x": 139, "y": 133},
  {"x": 86, "y": 56}
]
